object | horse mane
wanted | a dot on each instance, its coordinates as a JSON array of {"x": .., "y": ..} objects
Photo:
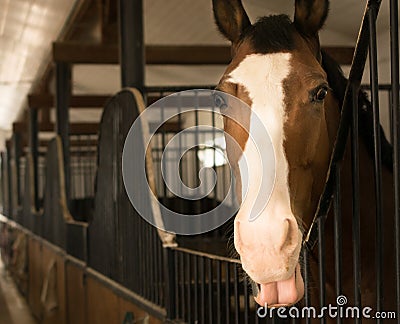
[{"x": 338, "y": 82}]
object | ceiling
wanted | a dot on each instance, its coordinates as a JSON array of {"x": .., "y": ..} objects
[{"x": 28, "y": 28}]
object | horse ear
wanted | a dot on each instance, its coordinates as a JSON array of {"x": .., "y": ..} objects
[
  {"x": 231, "y": 18},
  {"x": 310, "y": 16}
]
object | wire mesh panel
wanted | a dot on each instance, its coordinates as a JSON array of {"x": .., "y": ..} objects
[{"x": 83, "y": 160}]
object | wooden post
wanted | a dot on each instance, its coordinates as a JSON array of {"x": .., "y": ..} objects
[
  {"x": 63, "y": 94},
  {"x": 33, "y": 146},
  {"x": 9, "y": 182},
  {"x": 132, "y": 56},
  {"x": 16, "y": 153}
]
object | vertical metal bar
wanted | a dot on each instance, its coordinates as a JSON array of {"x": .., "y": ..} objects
[
  {"x": 202, "y": 290},
  {"x": 169, "y": 278},
  {"x": 147, "y": 269},
  {"x": 210, "y": 290},
  {"x": 390, "y": 113},
  {"x": 189, "y": 287},
  {"x": 177, "y": 290},
  {"x": 394, "y": 63},
  {"x": 215, "y": 189},
  {"x": 196, "y": 150},
  {"x": 356, "y": 202},
  {"x": 63, "y": 94},
  {"x": 181, "y": 200},
  {"x": 338, "y": 236},
  {"x": 182, "y": 283},
  {"x": 227, "y": 292},
  {"x": 236, "y": 293},
  {"x": 306, "y": 276},
  {"x": 246, "y": 300},
  {"x": 219, "y": 289},
  {"x": 321, "y": 262},
  {"x": 153, "y": 260},
  {"x": 373, "y": 63},
  {"x": 196, "y": 288},
  {"x": 159, "y": 266},
  {"x": 132, "y": 54}
]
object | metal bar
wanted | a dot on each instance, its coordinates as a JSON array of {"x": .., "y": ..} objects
[
  {"x": 236, "y": 293},
  {"x": 338, "y": 238},
  {"x": 394, "y": 63},
  {"x": 227, "y": 292},
  {"x": 210, "y": 290},
  {"x": 202, "y": 291},
  {"x": 147, "y": 260},
  {"x": 160, "y": 266},
  {"x": 132, "y": 55},
  {"x": 196, "y": 288},
  {"x": 177, "y": 290},
  {"x": 197, "y": 203},
  {"x": 219, "y": 289},
  {"x": 306, "y": 276},
  {"x": 246, "y": 300},
  {"x": 188, "y": 287},
  {"x": 169, "y": 283},
  {"x": 373, "y": 63},
  {"x": 63, "y": 93},
  {"x": 321, "y": 263},
  {"x": 182, "y": 284},
  {"x": 356, "y": 202},
  {"x": 152, "y": 264}
]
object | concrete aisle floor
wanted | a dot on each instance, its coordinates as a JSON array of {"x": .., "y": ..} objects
[{"x": 13, "y": 307}]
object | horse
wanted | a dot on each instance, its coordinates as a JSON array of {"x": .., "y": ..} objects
[{"x": 279, "y": 70}]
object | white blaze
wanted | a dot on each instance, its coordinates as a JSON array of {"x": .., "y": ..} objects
[{"x": 262, "y": 76}]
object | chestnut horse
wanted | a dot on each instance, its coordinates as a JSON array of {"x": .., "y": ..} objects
[{"x": 279, "y": 70}]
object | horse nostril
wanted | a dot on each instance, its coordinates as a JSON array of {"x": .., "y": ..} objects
[{"x": 288, "y": 235}]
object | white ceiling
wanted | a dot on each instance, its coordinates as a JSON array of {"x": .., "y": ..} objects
[{"x": 28, "y": 27}]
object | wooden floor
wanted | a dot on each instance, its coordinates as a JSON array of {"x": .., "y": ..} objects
[{"x": 13, "y": 307}]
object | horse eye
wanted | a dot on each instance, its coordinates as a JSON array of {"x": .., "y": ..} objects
[{"x": 320, "y": 94}]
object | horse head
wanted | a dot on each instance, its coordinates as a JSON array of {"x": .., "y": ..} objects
[{"x": 276, "y": 69}]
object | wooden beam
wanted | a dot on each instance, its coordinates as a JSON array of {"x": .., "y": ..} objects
[
  {"x": 38, "y": 101},
  {"x": 88, "y": 128},
  {"x": 75, "y": 128},
  {"x": 73, "y": 143},
  {"x": 79, "y": 53},
  {"x": 189, "y": 55}
]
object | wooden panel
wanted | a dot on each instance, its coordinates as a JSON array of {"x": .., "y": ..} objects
[
  {"x": 74, "y": 128},
  {"x": 35, "y": 276},
  {"x": 139, "y": 314},
  {"x": 54, "y": 308},
  {"x": 102, "y": 303},
  {"x": 161, "y": 54},
  {"x": 76, "y": 298}
]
